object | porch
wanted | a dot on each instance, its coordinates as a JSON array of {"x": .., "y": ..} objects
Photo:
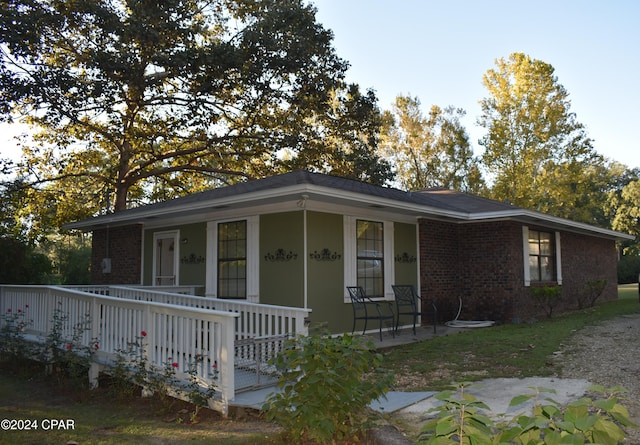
[{"x": 227, "y": 344}]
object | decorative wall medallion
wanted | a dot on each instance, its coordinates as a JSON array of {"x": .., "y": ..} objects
[
  {"x": 192, "y": 259},
  {"x": 280, "y": 256},
  {"x": 325, "y": 255},
  {"x": 404, "y": 257}
]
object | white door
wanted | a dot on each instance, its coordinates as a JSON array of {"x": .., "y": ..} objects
[{"x": 165, "y": 259}]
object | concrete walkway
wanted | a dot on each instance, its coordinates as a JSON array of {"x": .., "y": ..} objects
[{"x": 394, "y": 400}]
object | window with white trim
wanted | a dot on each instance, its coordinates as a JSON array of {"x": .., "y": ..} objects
[
  {"x": 368, "y": 256},
  {"x": 541, "y": 256},
  {"x": 233, "y": 259}
]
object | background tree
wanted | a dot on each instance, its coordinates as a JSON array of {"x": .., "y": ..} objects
[
  {"x": 429, "y": 151},
  {"x": 141, "y": 101},
  {"x": 624, "y": 208},
  {"x": 538, "y": 156}
]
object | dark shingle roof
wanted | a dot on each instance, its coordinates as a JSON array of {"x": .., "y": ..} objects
[{"x": 432, "y": 202}]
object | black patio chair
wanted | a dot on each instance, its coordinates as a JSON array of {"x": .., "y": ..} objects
[
  {"x": 364, "y": 308},
  {"x": 408, "y": 302}
]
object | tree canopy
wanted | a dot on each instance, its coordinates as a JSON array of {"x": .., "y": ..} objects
[
  {"x": 429, "y": 151},
  {"x": 136, "y": 101},
  {"x": 537, "y": 154}
]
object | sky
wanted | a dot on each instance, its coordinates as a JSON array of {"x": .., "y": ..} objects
[{"x": 438, "y": 51}]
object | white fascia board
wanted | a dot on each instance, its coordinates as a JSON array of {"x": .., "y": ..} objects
[{"x": 530, "y": 216}]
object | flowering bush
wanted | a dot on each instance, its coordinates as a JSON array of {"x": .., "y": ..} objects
[
  {"x": 68, "y": 358},
  {"x": 14, "y": 325},
  {"x": 198, "y": 392},
  {"x": 133, "y": 369}
]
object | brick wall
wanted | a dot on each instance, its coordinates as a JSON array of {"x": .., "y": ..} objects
[
  {"x": 588, "y": 258},
  {"x": 483, "y": 264},
  {"x": 124, "y": 246}
]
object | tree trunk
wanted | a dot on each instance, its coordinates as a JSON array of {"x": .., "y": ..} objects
[{"x": 123, "y": 183}]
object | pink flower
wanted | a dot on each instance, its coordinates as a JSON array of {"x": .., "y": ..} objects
[
  {"x": 97, "y": 346},
  {"x": 68, "y": 346},
  {"x": 26, "y": 306},
  {"x": 215, "y": 365},
  {"x": 175, "y": 364},
  {"x": 19, "y": 311},
  {"x": 143, "y": 333},
  {"x": 9, "y": 310}
]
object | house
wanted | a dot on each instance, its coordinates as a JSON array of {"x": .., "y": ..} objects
[{"x": 300, "y": 238}]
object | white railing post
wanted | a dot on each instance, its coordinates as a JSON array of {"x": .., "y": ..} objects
[{"x": 226, "y": 364}]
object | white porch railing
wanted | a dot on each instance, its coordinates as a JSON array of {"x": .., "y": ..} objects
[
  {"x": 177, "y": 334},
  {"x": 254, "y": 320}
]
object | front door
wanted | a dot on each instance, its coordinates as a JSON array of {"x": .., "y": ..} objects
[{"x": 165, "y": 259}]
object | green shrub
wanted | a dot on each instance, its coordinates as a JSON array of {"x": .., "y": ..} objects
[
  {"x": 460, "y": 420},
  {"x": 326, "y": 385},
  {"x": 546, "y": 297},
  {"x": 591, "y": 292},
  {"x": 13, "y": 325}
]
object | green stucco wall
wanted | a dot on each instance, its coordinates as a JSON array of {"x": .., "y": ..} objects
[
  {"x": 405, "y": 254},
  {"x": 282, "y": 259},
  {"x": 281, "y": 262},
  {"x": 326, "y": 272}
]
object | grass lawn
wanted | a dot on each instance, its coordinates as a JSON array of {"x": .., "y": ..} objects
[
  {"x": 102, "y": 417},
  {"x": 515, "y": 350}
]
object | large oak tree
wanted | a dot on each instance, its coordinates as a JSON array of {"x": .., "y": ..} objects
[{"x": 135, "y": 100}]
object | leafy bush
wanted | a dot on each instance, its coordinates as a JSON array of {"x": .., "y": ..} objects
[
  {"x": 326, "y": 385},
  {"x": 67, "y": 357},
  {"x": 546, "y": 297},
  {"x": 13, "y": 326},
  {"x": 460, "y": 420},
  {"x": 591, "y": 292}
]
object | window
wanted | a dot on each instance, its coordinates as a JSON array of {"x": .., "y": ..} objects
[
  {"x": 542, "y": 256},
  {"x": 370, "y": 257},
  {"x": 232, "y": 259}
]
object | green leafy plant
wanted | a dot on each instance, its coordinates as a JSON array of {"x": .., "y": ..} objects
[
  {"x": 460, "y": 420},
  {"x": 14, "y": 324},
  {"x": 546, "y": 297},
  {"x": 68, "y": 357},
  {"x": 325, "y": 387},
  {"x": 591, "y": 292},
  {"x": 133, "y": 364},
  {"x": 198, "y": 392}
]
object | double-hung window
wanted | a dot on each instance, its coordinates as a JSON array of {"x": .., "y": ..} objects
[
  {"x": 542, "y": 257},
  {"x": 370, "y": 257},
  {"x": 232, "y": 259}
]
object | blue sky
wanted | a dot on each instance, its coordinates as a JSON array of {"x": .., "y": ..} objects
[{"x": 439, "y": 51}]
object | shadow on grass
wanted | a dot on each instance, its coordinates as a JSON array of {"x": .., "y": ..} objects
[{"x": 103, "y": 417}]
